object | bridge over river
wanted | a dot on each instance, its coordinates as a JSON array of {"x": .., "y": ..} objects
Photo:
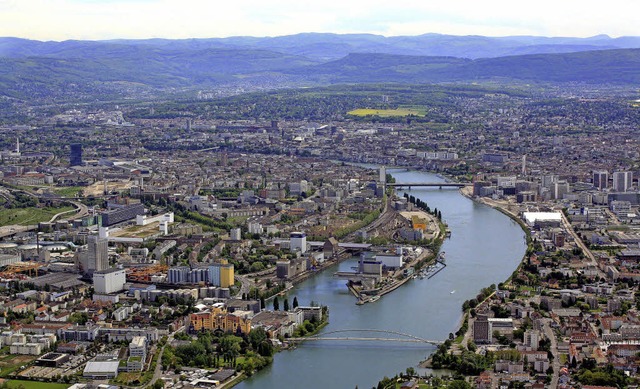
[
  {"x": 382, "y": 335},
  {"x": 430, "y": 184}
]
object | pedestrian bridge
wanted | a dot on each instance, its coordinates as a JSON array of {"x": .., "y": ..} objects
[{"x": 378, "y": 335}]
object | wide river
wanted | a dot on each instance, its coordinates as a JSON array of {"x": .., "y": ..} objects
[{"x": 485, "y": 248}]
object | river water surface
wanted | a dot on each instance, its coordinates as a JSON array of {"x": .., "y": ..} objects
[{"x": 485, "y": 248}]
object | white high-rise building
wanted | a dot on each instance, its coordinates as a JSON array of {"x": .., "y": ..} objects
[
  {"x": 622, "y": 181},
  {"x": 298, "y": 242},
  {"x": 236, "y": 234},
  {"x": 98, "y": 254},
  {"x": 560, "y": 188},
  {"x": 254, "y": 228},
  {"x": 548, "y": 180},
  {"x": 383, "y": 175}
]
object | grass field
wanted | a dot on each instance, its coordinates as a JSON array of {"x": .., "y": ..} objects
[
  {"x": 387, "y": 112},
  {"x": 68, "y": 191},
  {"x": 11, "y": 363},
  {"x": 26, "y": 216},
  {"x": 15, "y": 384}
]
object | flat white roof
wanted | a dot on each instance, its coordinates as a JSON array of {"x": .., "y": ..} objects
[
  {"x": 100, "y": 367},
  {"x": 532, "y": 217}
]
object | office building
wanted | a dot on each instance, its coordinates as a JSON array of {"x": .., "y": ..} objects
[
  {"x": 560, "y": 189},
  {"x": 235, "y": 234},
  {"x": 75, "y": 156},
  {"x": 97, "y": 254},
  {"x": 600, "y": 179},
  {"x": 298, "y": 242},
  {"x": 122, "y": 214},
  {"x": 138, "y": 347},
  {"x": 219, "y": 318},
  {"x": 622, "y": 181},
  {"x": 109, "y": 281}
]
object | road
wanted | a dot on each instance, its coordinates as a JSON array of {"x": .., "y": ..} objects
[
  {"x": 157, "y": 374},
  {"x": 592, "y": 259},
  {"x": 548, "y": 331},
  {"x": 80, "y": 211},
  {"x": 245, "y": 287}
]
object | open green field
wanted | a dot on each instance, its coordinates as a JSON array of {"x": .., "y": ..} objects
[
  {"x": 68, "y": 191},
  {"x": 387, "y": 112},
  {"x": 15, "y": 384},
  {"x": 27, "y": 216}
]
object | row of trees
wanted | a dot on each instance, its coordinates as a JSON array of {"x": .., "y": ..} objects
[
  {"x": 276, "y": 304},
  {"x": 423, "y": 205}
]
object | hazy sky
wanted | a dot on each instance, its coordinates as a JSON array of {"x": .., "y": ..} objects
[{"x": 106, "y": 19}]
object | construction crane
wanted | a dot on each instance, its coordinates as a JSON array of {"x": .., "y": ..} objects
[{"x": 13, "y": 270}]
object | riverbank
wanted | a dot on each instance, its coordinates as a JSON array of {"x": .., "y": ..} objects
[
  {"x": 510, "y": 210},
  {"x": 398, "y": 277},
  {"x": 481, "y": 239},
  {"x": 433, "y": 231}
]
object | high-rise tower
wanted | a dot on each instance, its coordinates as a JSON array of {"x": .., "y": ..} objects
[{"x": 75, "y": 157}]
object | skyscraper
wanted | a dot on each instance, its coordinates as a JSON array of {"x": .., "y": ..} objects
[
  {"x": 622, "y": 181},
  {"x": 98, "y": 256},
  {"x": 600, "y": 179},
  {"x": 75, "y": 157}
]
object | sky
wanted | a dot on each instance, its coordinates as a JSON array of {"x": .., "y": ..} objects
[{"x": 178, "y": 19}]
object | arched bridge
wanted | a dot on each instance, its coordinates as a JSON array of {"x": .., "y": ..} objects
[
  {"x": 430, "y": 184},
  {"x": 406, "y": 338}
]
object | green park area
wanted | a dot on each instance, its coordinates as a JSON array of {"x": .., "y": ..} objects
[
  {"x": 27, "y": 216},
  {"x": 24, "y": 384},
  {"x": 387, "y": 112}
]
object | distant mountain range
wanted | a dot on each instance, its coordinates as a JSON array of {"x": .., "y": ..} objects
[{"x": 315, "y": 58}]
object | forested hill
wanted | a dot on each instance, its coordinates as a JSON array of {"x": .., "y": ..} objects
[
  {"x": 620, "y": 66},
  {"x": 131, "y": 68}
]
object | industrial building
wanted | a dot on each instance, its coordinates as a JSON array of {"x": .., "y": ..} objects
[
  {"x": 100, "y": 370},
  {"x": 109, "y": 281}
]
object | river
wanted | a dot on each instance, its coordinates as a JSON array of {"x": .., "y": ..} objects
[{"x": 485, "y": 248}]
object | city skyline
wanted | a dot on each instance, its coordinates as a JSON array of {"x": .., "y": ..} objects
[{"x": 139, "y": 19}]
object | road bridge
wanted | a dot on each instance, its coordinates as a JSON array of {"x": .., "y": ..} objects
[
  {"x": 431, "y": 184},
  {"x": 404, "y": 338}
]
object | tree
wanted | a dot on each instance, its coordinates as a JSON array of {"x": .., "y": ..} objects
[
  {"x": 159, "y": 384},
  {"x": 459, "y": 384},
  {"x": 276, "y": 304},
  {"x": 295, "y": 302},
  {"x": 230, "y": 348},
  {"x": 286, "y": 304}
]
